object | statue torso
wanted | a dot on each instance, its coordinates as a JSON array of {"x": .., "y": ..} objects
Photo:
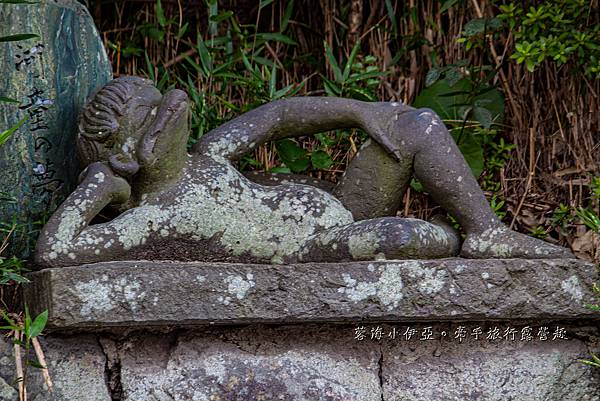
[{"x": 223, "y": 216}]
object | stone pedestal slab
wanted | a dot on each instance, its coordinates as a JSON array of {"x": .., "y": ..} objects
[
  {"x": 450, "y": 329},
  {"x": 140, "y": 293}
]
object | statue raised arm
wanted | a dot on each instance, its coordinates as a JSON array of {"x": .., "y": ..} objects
[{"x": 179, "y": 206}]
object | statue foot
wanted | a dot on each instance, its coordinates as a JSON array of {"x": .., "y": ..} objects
[{"x": 501, "y": 242}]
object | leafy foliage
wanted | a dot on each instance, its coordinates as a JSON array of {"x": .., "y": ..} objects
[{"x": 556, "y": 31}]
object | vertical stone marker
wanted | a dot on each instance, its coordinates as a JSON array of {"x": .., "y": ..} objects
[{"x": 51, "y": 77}]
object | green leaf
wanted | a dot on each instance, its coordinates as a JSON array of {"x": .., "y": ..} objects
[
  {"x": 447, "y": 4},
  {"x": 416, "y": 185},
  {"x": 447, "y": 101},
  {"x": 264, "y": 3},
  {"x": 287, "y": 15},
  {"x": 35, "y": 364},
  {"x": 182, "y": 30},
  {"x": 280, "y": 169},
  {"x": 14, "y": 38},
  {"x": 222, "y": 16},
  {"x": 273, "y": 82},
  {"x": 9, "y": 320},
  {"x": 471, "y": 150},
  {"x": 432, "y": 76},
  {"x": 475, "y": 26},
  {"x": 443, "y": 99},
  {"x": 483, "y": 116},
  {"x": 391, "y": 15},
  {"x": 8, "y": 100},
  {"x": 205, "y": 57},
  {"x": 298, "y": 166},
  {"x": 321, "y": 160},
  {"x": 337, "y": 73},
  {"x": 38, "y": 324},
  {"x": 453, "y": 75},
  {"x": 5, "y": 135},
  {"x": 27, "y": 321},
  {"x": 348, "y": 67},
  {"x": 276, "y": 37},
  {"x": 292, "y": 155},
  {"x": 288, "y": 150},
  {"x": 325, "y": 140},
  {"x": 160, "y": 14},
  {"x": 331, "y": 88}
]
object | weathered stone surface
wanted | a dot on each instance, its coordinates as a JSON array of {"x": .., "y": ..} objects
[
  {"x": 289, "y": 364},
  {"x": 51, "y": 77},
  {"x": 140, "y": 293},
  {"x": 199, "y": 207},
  {"x": 444, "y": 369},
  {"x": 313, "y": 362},
  {"x": 75, "y": 364}
]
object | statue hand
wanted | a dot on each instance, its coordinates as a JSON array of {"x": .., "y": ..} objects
[
  {"x": 380, "y": 121},
  {"x": 100, "y": 174}
]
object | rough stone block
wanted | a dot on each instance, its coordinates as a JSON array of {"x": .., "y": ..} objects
[
  {"x": 50, "y": 77},
  {"x": 282, "y": 363},
  {"x": 445, "y": 369},
  {"x": 76, "y": 366},
  {"x": 140, "y": 293},
  {"x": 313, "y": 362}
]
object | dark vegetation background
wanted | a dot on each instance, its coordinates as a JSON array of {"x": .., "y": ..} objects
[{"x": 515, "y": 81}]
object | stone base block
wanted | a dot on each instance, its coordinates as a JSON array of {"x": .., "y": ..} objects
[
  {"x": 140, "y": 293},
  {"x": 450, "y": 329},
  {"x": 316, "y": 362}
]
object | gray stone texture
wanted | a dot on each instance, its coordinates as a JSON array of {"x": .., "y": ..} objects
[
  {"x": 175, "y": 205},
  {"x": 76, "y": 365},
  {"x": 143, "y": 293},
  {"x": 51, "y": 78},
  {"x": 313, "y": 363},
  {"x": 444, "y": 369}
]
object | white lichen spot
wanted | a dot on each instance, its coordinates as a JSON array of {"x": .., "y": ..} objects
[
  {"x": 388, "y": 288},
  {"x": 99, "y": 176},
  {"x": 102, "y": 295},
  {"x": 430, "y": 280},
  {"x": 95, "y": 296},
  {"x": 238, "y": 286},
  {"x": 363, "y": 245},
  {"x": 485, "y": 275},
  {"x": 572, "y": 287}
]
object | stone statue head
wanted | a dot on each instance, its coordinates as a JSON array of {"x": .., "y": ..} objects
[{"x": 129, "y": 125}]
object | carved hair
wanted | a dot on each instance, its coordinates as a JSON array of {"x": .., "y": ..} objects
[{"x": 100, "y": 121}]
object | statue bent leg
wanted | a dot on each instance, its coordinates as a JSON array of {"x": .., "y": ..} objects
[{"x": 374, "y": 184}]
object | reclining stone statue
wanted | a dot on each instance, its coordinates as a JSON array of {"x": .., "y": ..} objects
[{"x": 174, "y": 205}]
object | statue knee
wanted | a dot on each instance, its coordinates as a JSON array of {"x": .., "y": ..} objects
[{"x": 431, "y": 128}]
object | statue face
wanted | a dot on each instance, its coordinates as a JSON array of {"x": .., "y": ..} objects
[
  {"x": 130, "y": 125},
  {"x": 154, "y": 129},
  {"x": 168, "y": 130}
]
